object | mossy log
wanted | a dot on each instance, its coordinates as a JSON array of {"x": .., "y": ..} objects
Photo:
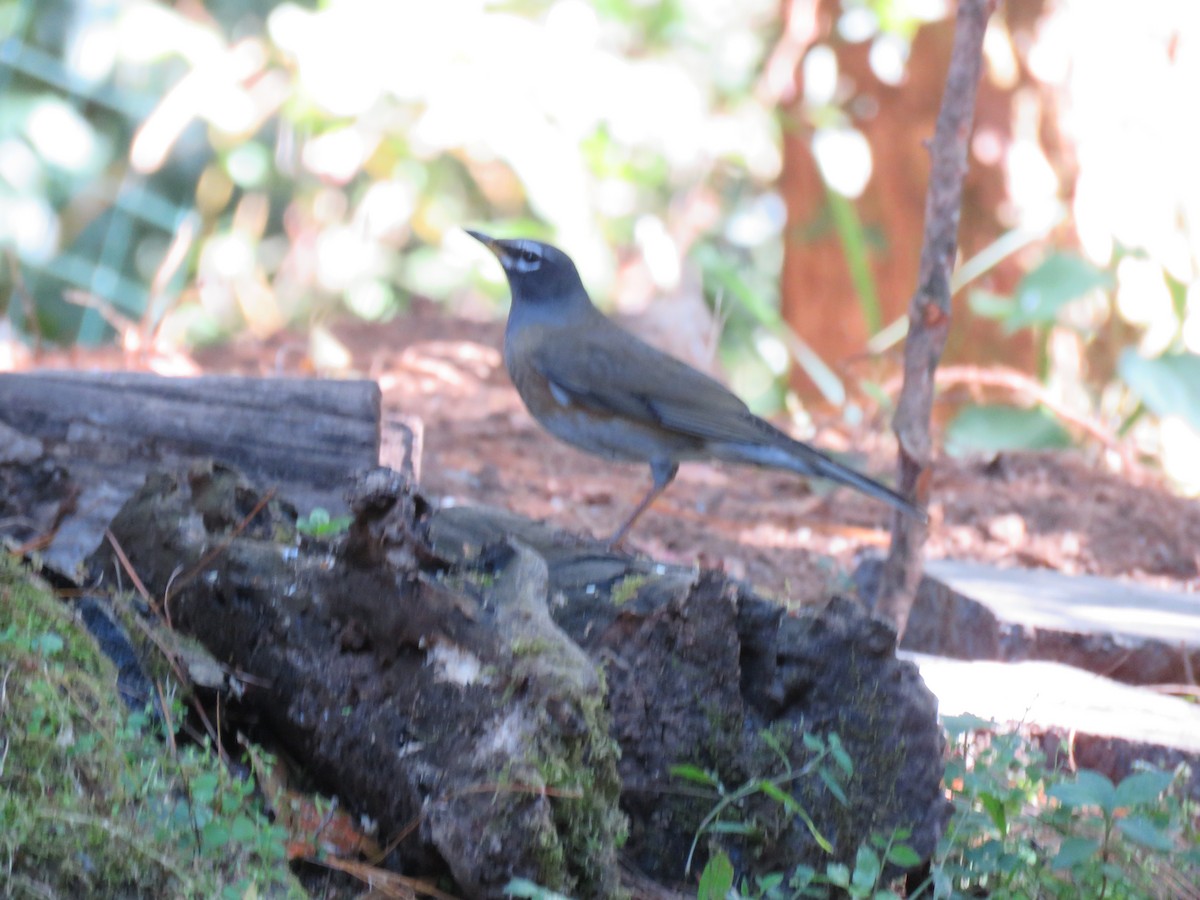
[{"x": 521, "y": 696}]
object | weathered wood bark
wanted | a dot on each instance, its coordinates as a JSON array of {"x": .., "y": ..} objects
[
  {"x": 98, "y": 434},
  {"x": 1127, "y": 632},
  {"x": 445, "y": 669}
]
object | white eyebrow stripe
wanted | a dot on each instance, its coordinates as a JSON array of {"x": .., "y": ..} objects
[{"x": 519, "y": 263}]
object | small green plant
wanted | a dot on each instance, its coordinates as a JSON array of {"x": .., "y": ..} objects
[
  {"x": 830, "y": 763},
  {"x": 1020, "y": 829},
  {"x": 1119, "y": 839},
  {"x": 1023, "y": 829},
  {"x": 725, "y": 817},
  {"x": 866, "y": 879},
  {"x": 320, "y": 524},
  {"x": 626, "y": 589}
]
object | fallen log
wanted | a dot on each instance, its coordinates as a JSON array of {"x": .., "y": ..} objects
[
  {"x": 512, "y": 700},
  {"x": 74, "y": 446}
]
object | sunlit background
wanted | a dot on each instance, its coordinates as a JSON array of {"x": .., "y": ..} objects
[{"x": 177, "y": 174}]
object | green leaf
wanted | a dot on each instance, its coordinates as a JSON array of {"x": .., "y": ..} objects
[
  {"x": 832, "y": 783},
  {"x": 840, "y": 756},
  {"x": 717, "y": 878},
  {"x": 838, "y": 874},
  {"x": 778, "y": 794},
  {"x": 995, "y": 427},
  {"x": 1044, "y": 291},
  {"x": 1169, "y": 385},
  {"x": 822, "y": 841},
  {"x": 777, "y": 748},
  {"x": 991, "y": 306},
  {"x": 903, "y": 856},
  {"x": 243, "y": 830},
  {"x": 214, "y": 835},
  {"x": 852, "y": 236},
  {"x": 725, "y": 827},
  {"x": 995, "y": 810},
  {"x": 1074, "y": 850},
  {"x": 1088, "y": 789},
  {"x": 204, "y": 788},
  {"x": 319, "y": 523},
  {"x": 867, "y": 868},
  {"x": 47, "y": 644},
  {"x": 1143, "y": 788},
  {"x": 319, "y": 516},
  {"x": 768, "y": 883},
  {"x": 1179, "y": 291},
  {"x": 957, "y": 726},
  {"x": 523, "y": 887},
  {"x": 1142, "y": 831},
  {"x": 698, "y": 775}
]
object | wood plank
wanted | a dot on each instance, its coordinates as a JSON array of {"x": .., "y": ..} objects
[
  {"x": 1129, "y": 632},
  {"x": 1053, "y": 695},
  {"x": 1041, "y": 598},
  {"x": 1099, "y": 723}
]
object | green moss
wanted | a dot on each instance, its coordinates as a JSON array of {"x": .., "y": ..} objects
[
  {"x": 570, "y": 823},
  {"x": 530, "y": 646},
  {"x": 582, "y": 772},
  {"x": 626, "y": 589},
  {"x": 573, "y": 756},
  {"x": 94, "y": 802}
]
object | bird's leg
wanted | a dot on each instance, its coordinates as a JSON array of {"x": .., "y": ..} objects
[{"x": 663, "y": 471}]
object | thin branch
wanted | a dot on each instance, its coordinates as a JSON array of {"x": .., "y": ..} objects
[{"x": 929, "y": 309}]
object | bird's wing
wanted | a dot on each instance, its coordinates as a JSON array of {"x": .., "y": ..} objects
[{"x": 609, "y": 370}]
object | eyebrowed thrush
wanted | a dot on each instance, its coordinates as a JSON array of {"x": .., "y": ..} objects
[{"x": 594, "y": 385}]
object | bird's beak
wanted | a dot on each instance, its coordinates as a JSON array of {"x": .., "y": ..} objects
[
  {"x": 496, "y": 246},
  {"x": 489, "y": 242}
]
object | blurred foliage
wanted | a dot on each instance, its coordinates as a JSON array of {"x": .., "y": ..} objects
[
  {"x": 207, "y": 170},
  {"x": 1088, "y": 353},
  {"x": 316, "y": 157},
  {"x": 997, "y": 427}
]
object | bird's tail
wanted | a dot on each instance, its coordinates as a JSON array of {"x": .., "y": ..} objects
[{"x": 802, "y": 459}]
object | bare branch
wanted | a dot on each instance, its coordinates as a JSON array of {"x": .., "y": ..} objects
[{"x": 929, "y": 309}]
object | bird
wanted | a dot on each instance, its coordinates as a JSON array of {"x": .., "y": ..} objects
[{"x": 594, "y": 385}]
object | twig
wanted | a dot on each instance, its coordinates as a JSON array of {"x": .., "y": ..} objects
[
  {"x": 138, "y": 584},
  {"x": 187, "y": 577},
  {"x": 168, "y": 654},
  {"x": 929, "y": 309}
]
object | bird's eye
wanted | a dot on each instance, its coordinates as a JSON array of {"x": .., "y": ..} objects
[{"x": 528, "y": 256}]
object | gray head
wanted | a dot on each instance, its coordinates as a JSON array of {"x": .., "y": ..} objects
[{"x": 538, "y": 274}]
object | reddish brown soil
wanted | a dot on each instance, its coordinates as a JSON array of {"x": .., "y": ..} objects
[{"x": 1055, "y": 510}]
